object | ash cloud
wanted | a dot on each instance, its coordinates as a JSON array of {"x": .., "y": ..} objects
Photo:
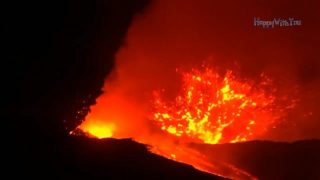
[{"x": 185, "y": 33}]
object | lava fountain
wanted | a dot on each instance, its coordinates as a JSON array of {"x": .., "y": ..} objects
[{"x": 213, "y": 109}]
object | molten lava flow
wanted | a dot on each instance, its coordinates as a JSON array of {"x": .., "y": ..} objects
[
  {"x": 214, "y": 109},
  {"x": 210, "y": 108}
]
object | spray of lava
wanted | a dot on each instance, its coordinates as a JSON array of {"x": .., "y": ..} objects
[{"x": 214, "y": 109}]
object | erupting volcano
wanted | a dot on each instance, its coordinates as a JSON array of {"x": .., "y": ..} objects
[
  {"x": 184, "y": 76},
  {"x": 209, "y": 108},
  {"x": 163, "y": 89}
]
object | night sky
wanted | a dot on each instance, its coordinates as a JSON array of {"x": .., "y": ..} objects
[{"x": 56, "y": 57}]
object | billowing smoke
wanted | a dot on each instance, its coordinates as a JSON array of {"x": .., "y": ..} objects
[{"x": 181, "y": 34}]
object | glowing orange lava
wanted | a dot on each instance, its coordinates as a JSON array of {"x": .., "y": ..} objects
[
  {"x": 98, "y": 130},
  {"x": 210, "y": 108},
  {"x": 214, "y": 109}
]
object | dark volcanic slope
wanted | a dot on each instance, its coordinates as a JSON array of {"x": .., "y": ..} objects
[
  {"x": 270, "y": 160},
  {"x": 85, "y": 158}
]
